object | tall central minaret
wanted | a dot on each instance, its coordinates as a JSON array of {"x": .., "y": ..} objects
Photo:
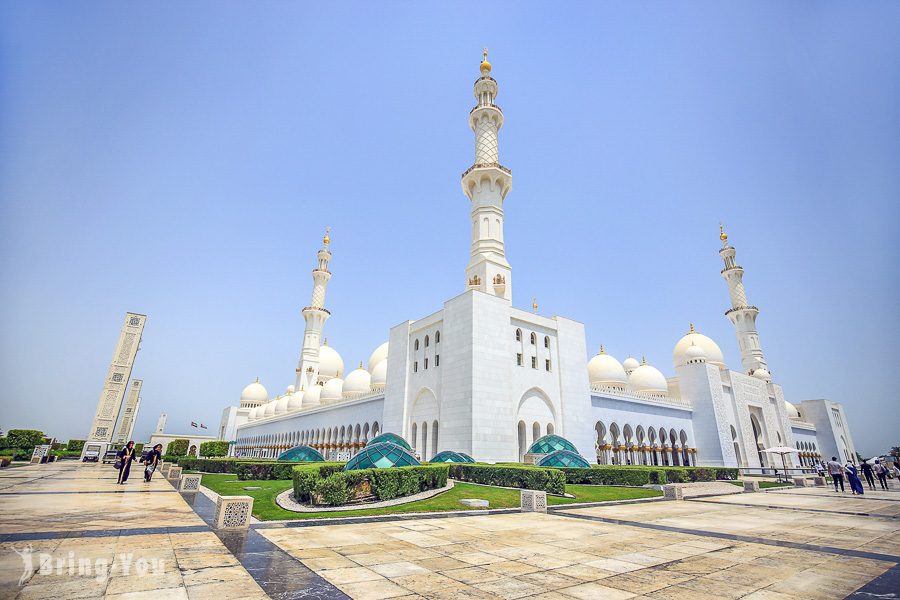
[
  {"x": 315, "y": 316},
  {"x": 486, "y": 183},
  {"x": 742, "y": 315}
]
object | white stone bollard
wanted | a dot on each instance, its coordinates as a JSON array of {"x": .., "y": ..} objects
[
  {"x": 174, "y": 475},
  {"x": 673, "y": 492},
  {"x": 800, "y": 482},
  {"x": 189, "y": 484},
  {"x": 819, "y": 481},
  {"x": 233, "y": 512},
  {"x": 751, "y": 486},
  {"x": 164, "y": 469},
  {"x": 533, "y": 501}
]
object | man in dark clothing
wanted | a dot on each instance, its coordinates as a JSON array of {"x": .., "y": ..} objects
[
  {"x": 867, "y": 471},
  {"x": 837, "y": 473},
  {"x": 881, "y": 473}
]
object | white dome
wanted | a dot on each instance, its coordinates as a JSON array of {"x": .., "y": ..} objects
[
  {"x": 692, "y": 338},
  {"x": 290, "y": 390},
  {"x": 630, "y": 364},
  {"x": 762, "y": 374},
  {"x": 379, "y": 374},
  {"x": 296, "y": 401},
  {"x": 380, "y": 354},
  {"x": 254, "y": 393},
  {"x": 330, "y": 363},
  {"x": 269, "y": 408},
  {"x": 357, "y": 382},
  {"x": 254, "y": 414},
  {"x": 790, "y": 409},
  {"x": 694, "y": 354},
  {"x": 281, "y": 405},
  {"x": 332, "y": 390},
  {"x": 648, "y": 379},
  {"x": 312, "y": 396},
  {"x": 605, "y": 369}
]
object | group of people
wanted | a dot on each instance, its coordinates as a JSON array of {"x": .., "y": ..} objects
[
  {"x": 837, "y": 471},
  {"x": 127, "y": 455}
]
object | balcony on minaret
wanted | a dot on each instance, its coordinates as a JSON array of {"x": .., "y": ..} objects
[
  {"x": 499, "y": 285},
  {"x": 475, "y": 281}
]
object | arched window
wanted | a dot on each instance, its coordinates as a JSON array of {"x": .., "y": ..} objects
[
  {"x": 535, "y": 431},
  {"x": 416, "y": 346},
  {"x": 427, "y": 341},
  {"x": 518, "y": 335},
  {"x": 437, "y": 337},
  {"x": 533, "y": 339},
  {"x": 434, "y": 438},
  {"x": 522, "y": 442},
  {"x": 547, "y": 342},
  {"x": 415, "y": 437}
]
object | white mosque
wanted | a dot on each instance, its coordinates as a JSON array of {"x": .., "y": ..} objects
[{"x": 482, "y": 377}]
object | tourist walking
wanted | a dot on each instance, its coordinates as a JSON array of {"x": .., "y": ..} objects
[
  {"x": 867, "y": 472},
  {"x": 820, "y": 469},
  {"x": 853, "y": 479},
  {"x": 837, "y": 473},
  {"x": 151, "y": 461},
  {"x": 881, "y": 474},
  {"x": 126, "y": 456}
]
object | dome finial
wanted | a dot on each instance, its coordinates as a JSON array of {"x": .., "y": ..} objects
[
  {"x": 324, "y": 341},
  {"x": 327, "y": 239},
  {"x": 257, "y": 380},
  {"x": 534, "y": 305},
  {"x": 485, "y": 65},
  {"x": 602, "y": 351},
  {"x": 692, "y": 329},
  {"x": 643, "y": 360},
  {"x": 722, "y": 235},
  {"x": 360, "y": 364}
]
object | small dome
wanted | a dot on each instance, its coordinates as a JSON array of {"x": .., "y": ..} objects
[
  {"x": 379, "y": 374},
  {"x": 357, "y": 382},
  {"x": 762, "y": 374},
  {"x": 254, "y": 394},
  {"x": 448, "y": 456},
  {"x": 290, "y": 390},
  {"x": 551, "y": 443},
  {"x": 301, "y": 454},
  {"x": 330, "y": 363},
  {"x": 381, "y": 455},
  {"x": 312, "y": 396},
  {"x": 605, "y": 369},
  {"x": 790, "y": 409},
  {"x": 566, "y": 459},
  {"x": 693, "y": 338},
  {"x": 270, "y": 408},
  {"x": 648, "y": 379},
  {"x": 254, "y": 414},
  {"x": 630, "y": 364},
  {"x": 332, "y": 390},
  {"x": 695, "y": 354},
  {"x": 393, "y": 438},
  {"x": 296, "y": 401},
  {"x": 380, "y": 354},
  {"x": 281, "y": 405}
]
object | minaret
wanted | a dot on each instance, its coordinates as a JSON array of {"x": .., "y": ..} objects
[
  {"x": 315, "y": 316},
  {"x": 486, "y": 183},
  {"x": 742, "y": 314}
]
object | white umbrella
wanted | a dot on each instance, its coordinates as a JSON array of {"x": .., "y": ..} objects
[{"x": 783, "y": 451}]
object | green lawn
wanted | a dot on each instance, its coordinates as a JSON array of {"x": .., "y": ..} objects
[{"x": 265, "y": 509}]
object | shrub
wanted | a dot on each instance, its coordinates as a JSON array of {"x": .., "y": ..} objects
[
  {"x": 171, "y": 458},
  {"x": 75, "y": 445},
  {"x": 306, "y": 476},
  {"x": 215, "y": 448},
  {"x": 385, "y": 484},
  {"x": 616, "y": 475},
  {"x": 528, "y": 477},
  {"x": 66, "y": 453},
  {"x": 5, "y": 460},
  {"x": 24, "y": 438},
  {"x": 333, "y": 490},
  {"x": 178, "y": 447}
]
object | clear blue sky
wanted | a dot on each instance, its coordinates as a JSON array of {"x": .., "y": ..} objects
[{"x": 183, "y": 159}]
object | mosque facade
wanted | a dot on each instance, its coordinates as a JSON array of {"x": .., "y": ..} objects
[{"x": 482, "y": 377}]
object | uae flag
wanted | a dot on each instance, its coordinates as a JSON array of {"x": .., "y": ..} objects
[
  {"x": 193, "y": 424},
  {"x": 202, "y": 426}
]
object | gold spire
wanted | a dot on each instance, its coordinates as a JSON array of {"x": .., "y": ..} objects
[
  {"x": 327, "y": 239},
  {"x": 485, "y": 65},
  {"x": 692, "y": 329},
  {"x": 602, "y": 351},
  {"x": 257, "y": 380},
  {"x": 643, "y": 360},
  {"x": 325, "y": 341},
  {"x": 722, "y": 235},
  {"x": 534, "y": 305},
  {"x": 360, "y": 364}
]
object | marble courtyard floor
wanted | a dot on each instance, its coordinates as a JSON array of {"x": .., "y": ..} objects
[{"x": 781, "y": 544}]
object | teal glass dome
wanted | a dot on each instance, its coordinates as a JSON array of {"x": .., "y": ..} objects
[
  {"x": 301, "y": 454},
  {"x": 564, "y": 458},
  {"x": 392, "y": 438},
  {"x": 468, "y": 458},
  {"x": 448, "y": 456},
  {"x": 380, "y": 455},
  {"x": 551, "y": 443}
]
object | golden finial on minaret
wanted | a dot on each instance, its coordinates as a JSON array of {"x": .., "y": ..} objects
[
  {"x": 534, "y": 305},
  {"x": 722, "y": 235},
  {"x": 327, "y": 239},
  {"x": 485, "y": 65}
]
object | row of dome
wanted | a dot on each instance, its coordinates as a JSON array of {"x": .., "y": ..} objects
[{"x": 329, "y": 388}]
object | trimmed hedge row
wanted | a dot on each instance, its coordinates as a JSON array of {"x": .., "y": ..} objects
[
  {"x": 244, "y": 469},
  {"x": 328, "y": 484},
  {"x": 691, "y": 474},
  {"x": 636, "y": 475},
  {"x": 552, "y": 481}
]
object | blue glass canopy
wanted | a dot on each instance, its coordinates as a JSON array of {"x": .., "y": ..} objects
[
  {"x": 393, "y": 438},
  {"x": 564, "y": 458},
  {"x": 301, "y": 454},
  {"x": 381, "y": 455},
  {"x": 468, "y": 458},
  {"x": 551, "y": 443},
  {"x": 449, "y": 456}
]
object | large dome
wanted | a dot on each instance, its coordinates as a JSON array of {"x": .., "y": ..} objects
[
  {"x": 357, "y": 382},
  {"x": 392, "y": 438},
  {"x": 301, "y": 454},
  {"x": 604, "y": 369},
  {"x": 648, "y": 379},
  {"x": 330, "y": 363},
  {"x": 379, "y": 374},
  {"x": 791, "y": 410},
  {"x": 254, "y": 394},
  {"x": 296, "y": 401},
  {"x": 332, "y": 390},
  {"x": 565, "y": 459},
  {"x": 692, "y": 338},
  {"x": 551, "y": 443},
  {"x": 312, "y": 396},
  {"x": 381, "y": 455},
  {"x": 379, "y": 354}
]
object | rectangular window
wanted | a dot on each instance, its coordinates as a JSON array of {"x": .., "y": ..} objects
[
  {"x": 534, "y": 362},
  {"x": 519, "y": 359},
  {"x": 416, "y": 367},
  {"x": 426, "y": 363},
  {"x": 547, "y": 364},
  {"x": 437, "y": 360}
]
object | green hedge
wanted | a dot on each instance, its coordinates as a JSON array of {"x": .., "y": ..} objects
[
  {"x": 215, "y": 448},
  {"x": 640, "y": 475},
  {"x": 550, "y": 480},
  {"x": 178, "y": 447},
  {"x": 330, "y": 485},
  {"x": 691, "y": 474},
  {"x": 244, "y": 469},
  {"x": 75, "y": 445}
]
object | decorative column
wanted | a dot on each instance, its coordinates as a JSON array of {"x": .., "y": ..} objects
[
  {"x": 129, "y": 414},
  {"x": 486, "y": 183},
  {"x": 742, "y": 314},
  {"x": 315, "y": 316}
]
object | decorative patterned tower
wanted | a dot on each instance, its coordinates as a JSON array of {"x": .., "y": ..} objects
[
  {"x": 486, "y": 183},
  {"x": 129, "y": 413},
  {"x": 161, "y": 423},
  {"x": 742, "y": 315},
  {"x": 315, "y": 316}
]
